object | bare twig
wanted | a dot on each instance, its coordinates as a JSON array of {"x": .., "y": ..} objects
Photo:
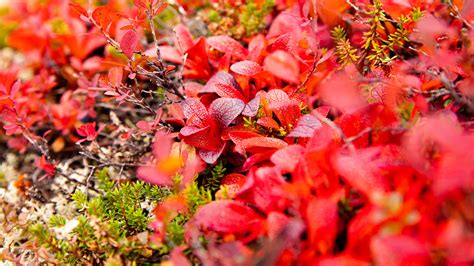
[
  {"x": 60, "y": 173},
  {"x": 153, "y": 33},
  {"x": 451, "y": 88},
  {"x": 457, "y": 14},
  {"x": 336, "y": 128},
  {"x": 91, "y": 173}
]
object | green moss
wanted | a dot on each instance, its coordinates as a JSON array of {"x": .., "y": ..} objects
[
  {"x": 175, "y": 230},
  {"x": 253, "y": 18},
  {"x": 57, "y": 221},
  {"x": 213, "y": 182},
  {"x": 107, "y": 224},
  {"x": 213, "y": 16}
]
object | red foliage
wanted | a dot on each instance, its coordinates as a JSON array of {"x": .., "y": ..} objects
[{"x": 329, "y": 162}]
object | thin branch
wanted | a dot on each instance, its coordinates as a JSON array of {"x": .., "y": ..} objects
[
  {"x": 451, "y": 87},
  {"x": 336, "y": 128},
  {"x": 153, "y": 33},
  {"x": 60, "y": 173},
  {"x": 91, "y": 173}
]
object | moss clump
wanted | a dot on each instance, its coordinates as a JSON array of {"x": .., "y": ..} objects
[
  {"x": 111, "y": 224},
  {"x": 253, "y": 17}
]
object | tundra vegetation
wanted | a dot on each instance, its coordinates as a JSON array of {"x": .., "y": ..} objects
[{"x": 237, "y": 132}]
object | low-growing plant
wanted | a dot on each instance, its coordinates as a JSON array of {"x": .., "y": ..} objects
[{"x": 237, "y": 132}]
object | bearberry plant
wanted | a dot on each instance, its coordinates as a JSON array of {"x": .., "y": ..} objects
[{"x": 236, "y": 132}]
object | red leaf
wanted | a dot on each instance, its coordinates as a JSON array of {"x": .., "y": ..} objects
[
  {"x": 257, "y": 144},
  {"x": 246, "y": 68},
  {"x": 265, "y": 79},
  {"x": 12, "y": 129},
  {"x": 227, "y": 216},
  {"x": 140, "y": 3},
  {"x": 323, "y": 110},
  {"x": 276, "y": 223},
  {"x": 6, "y": 102},
  {"x": 204, "y": 138},
  {"x": 191, "y": 130},
  {"x": 331, "y": 11},
  {"x": 129, "y": 43},
  {"x": 211, "y": 156},
  {"x": 225, "y": 110},
  {"x": 167, "y": 53},
  {"x": 160, "y": 9},
  {"x": 283, "y": 66},
  {"x": 152, "y": 175},
  {"x": 305, "y": 127},
  {"x": 466, "y": 7},
  {"x": 341, "y": 91},
  {"x": 392, "y": 250},
  {"x": 362, "y": 170},
  {"x": 255, "y": 159},
  {"x": 178, "y": 258},
  {"x": 256, "y": 47},
  {"x": 428, "y": 29},
  {"x": 197, "y": 65},
  {"x": 143, "y": 125},
  {"x": 127, "y": 27},
  {"x": 8, "y": 115},
  {"x": 287, "y": 158},
  {"x": 264, "y": 189},
  {"x": 282, "y": 24},
  {"x": 88, "y": 130},
  {"x": 162, "y": 144},
  {"x": 224, "y": 62},
  {"x": 234, "y": 179},
  {"x": 284, "y": 42},
  {"x": 467, "y": 10},
  {"x": 342, "y": 260},
  {"x": 287, "y": 112},
  {"x": 268, "y": 122},
  {"x": 44, "y": 165},
  {"x": 220, "y": 77},
  {"x": 322, "y": 219},
  {"x": 251, "y": 108},
  {"x": 276, "y": 96},
  {"x": 26, "y": 40},
  {"x": 448, "y": 166},
  {"x": 104, "y": 16},
  {"x": 183, "y": 38},
  {"x": 82, "y": 11},
  {"x": 115, "y": 76},
  {"x": 238, "y": 136},
  {"x": 226, "y": 45},
  {"x": 228, "y": 91},
  {"x": 195, "y": 112},
  {"x": 191, "y": 88}
]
